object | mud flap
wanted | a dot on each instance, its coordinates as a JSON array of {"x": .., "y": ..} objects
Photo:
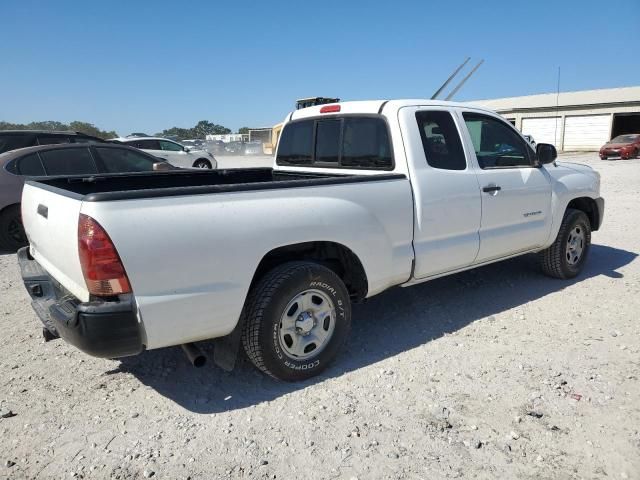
[{"x": 225, "y": 349}]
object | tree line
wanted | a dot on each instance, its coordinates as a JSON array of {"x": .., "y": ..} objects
[
  {"x": 200, "y": 130},
  {"x": 75, "y": 126}
]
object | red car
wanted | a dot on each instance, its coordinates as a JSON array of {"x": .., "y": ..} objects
[{"x": 623, "y": 146}]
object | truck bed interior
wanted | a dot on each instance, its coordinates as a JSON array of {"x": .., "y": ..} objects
[{"x": 191, "y": 182}]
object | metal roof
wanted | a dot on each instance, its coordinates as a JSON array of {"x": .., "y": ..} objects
[{"x": 600, "y": 97}]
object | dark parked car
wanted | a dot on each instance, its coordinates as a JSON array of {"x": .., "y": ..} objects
[
  {"x": 14, "y": 139},
  {"x": 623, "y": 146},
  {"x": 49, "y": 160}
]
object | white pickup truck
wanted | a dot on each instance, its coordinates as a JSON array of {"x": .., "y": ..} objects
[{"x": 363, "y": 196}]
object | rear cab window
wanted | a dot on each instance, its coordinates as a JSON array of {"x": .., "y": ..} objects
[{"x": 348, "y": 142}]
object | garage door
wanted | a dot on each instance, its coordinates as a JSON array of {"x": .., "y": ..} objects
[
  {"x": 543, "y": 130},
  {"x": 586, "y": 132}
]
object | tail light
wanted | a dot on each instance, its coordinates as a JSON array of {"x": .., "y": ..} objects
[
  {"x": 101, "y": 265},
  {"x": 330, "y": 109}
]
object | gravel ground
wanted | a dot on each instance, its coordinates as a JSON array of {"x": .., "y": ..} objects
[{"x": 494, "y": 373}]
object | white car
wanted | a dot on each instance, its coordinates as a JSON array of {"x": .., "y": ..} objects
[
  {"x": 173, "y": 152},
  {"x": 530, "y": 139},
  {"x": 362, "y": 196}
]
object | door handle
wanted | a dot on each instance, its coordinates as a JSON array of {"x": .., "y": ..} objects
[{"x": 491, "y": 188}]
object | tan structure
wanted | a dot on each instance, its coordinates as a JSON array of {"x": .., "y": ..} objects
[{"x": 582, "y": 120}]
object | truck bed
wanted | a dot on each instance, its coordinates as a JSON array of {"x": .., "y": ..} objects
[{"x": 97, "y": 188}]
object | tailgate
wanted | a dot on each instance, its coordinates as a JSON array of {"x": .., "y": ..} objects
[{"x": 51, "y": 222}]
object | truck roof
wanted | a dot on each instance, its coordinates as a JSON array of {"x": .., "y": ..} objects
[{"x": 373, "y": 107}]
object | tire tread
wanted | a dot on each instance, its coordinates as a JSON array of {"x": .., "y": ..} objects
[{"x": 253, "y": 313}]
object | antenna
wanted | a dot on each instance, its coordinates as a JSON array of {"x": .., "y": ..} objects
[
  {"x": 455, "y": 90},
  {"x": 455, "y": 72},
  {"x": 555, "y": 131}
]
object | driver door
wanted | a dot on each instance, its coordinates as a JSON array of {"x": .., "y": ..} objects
[{"x": 516, "y": 193}]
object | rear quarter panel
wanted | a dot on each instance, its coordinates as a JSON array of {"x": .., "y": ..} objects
[{"x": 191, "y": 259}]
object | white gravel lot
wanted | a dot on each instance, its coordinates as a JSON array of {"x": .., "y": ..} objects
[{"x": 494, "y": 373}]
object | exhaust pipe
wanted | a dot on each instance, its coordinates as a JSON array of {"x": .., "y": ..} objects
[{"x": 194, "y": 354}]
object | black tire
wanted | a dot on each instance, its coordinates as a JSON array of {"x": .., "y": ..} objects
[
  {"x": 266, "y": 305},
  {"x": 202, "y": 163},
  {"x": 555, "y": 260},
  {"x": 12, "y": 236}
]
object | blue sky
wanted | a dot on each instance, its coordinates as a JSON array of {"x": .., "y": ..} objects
[{"x": 150, "y": 65}]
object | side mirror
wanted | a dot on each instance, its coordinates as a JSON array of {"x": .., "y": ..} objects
[
  {"x": 546, "y": 153},
  {"x": 187, "y": 149},
  {"x": 161, "y": 167}
]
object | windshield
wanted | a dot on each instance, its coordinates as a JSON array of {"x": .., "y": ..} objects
[{"x": 624, "y": 139}]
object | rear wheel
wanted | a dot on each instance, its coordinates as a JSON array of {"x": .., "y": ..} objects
[
  {"x": 202, "y": 163},
  {"x": 296, "y": 320},
  {"x": 565, "y": 258},
  {"x": 12, "y": 235}
]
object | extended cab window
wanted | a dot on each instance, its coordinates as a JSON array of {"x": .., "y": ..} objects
[
  {"x": 68, "y": 161},
  {"x": 496, "y": 144},
  {"x": 440, "y": 140},
  {"x": 349, "y": 142}
]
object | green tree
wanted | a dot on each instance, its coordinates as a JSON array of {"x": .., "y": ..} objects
[
  {"x": 75, "y": 126},
  {"x": 244, "y": 130}
]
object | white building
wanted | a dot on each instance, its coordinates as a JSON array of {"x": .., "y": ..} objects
[
  {"x": 229, "y": 137},
  {"x": 571, "y": 121}
]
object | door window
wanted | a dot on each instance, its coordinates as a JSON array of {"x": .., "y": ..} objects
[
  {"x": 440, "y": 140},
  {"x": 52, "y": 139},
  {"x": 170, "y": 146},
  {"x": 145, "y": 144},
  {"x": 496, "y": 144},
  {"x": 13, "y": 142},
  {"x": 117, "y": 160},
  {"x": 30, "y": 166},
  {"x": 68, "y": 161}
]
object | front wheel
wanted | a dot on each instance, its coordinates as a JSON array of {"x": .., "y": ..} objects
[
  {"x": 296, "y": 320},
  {"x": 202, "y": 164},
  {"x": 565, "y": 258}
]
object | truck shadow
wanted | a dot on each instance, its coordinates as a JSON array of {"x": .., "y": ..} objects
[{"x": 390, "y": 323}]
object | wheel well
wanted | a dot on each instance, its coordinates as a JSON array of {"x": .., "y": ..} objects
[
  {"x": 589, "y": 207},
  {"x": 202, "y": 160},
  {"x": 334, "y": 256},
  {"x": 2, "y": 210}
]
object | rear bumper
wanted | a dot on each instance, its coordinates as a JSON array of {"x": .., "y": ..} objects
[{"x": 108, "y": 329}]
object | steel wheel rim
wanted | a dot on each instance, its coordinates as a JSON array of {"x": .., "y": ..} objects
[
  {"x": 307, "y": 324},
  {"x": 201, "y": 165},
  {"x": 575, "y": 244}
]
